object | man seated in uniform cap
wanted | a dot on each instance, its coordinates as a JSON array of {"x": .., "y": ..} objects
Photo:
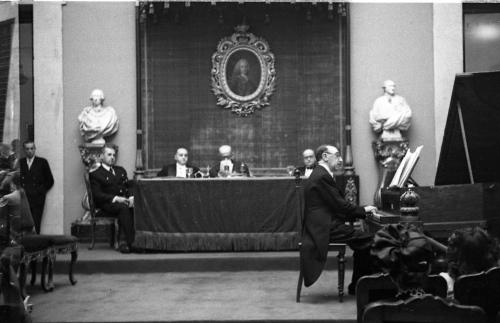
[
  {"x": 180, "y": 167},
  {"x": 110, "y": 187},
  {"x": 228, "y": 165},
  {"x": 309, "y": 163}
]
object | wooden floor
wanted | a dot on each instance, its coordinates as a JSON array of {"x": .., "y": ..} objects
[{"x": 187, "y": 287}]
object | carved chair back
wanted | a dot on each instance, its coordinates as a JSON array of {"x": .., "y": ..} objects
[
  {"x": 482, "y": 289},
  {"x": 380, "y": 286},
  {"x": 422, "y": 309}
]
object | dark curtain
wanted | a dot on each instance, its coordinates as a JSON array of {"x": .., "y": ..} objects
[
  {"x": 179, "y": 108},
  {"x": 5, "y": 51}
]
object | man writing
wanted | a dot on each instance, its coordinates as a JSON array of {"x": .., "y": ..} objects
[
  {"x": 325, "y": 215},
  {"x": 180, "y": 167},
  {"x": 110, "y": 187},
  {"x": 36, "y": 179},
  {"x": 309, "y": 163}
]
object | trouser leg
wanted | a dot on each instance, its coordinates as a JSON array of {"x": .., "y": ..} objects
[
  {"x": 125, "y": 217},
  {"x": 126, "y": 223},
  {"x": 362, "y": 265}
]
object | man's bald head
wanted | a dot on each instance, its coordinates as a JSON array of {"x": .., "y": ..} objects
[{"x": 181, "y": 156}]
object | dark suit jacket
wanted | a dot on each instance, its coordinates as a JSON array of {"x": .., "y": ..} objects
[
  {"x": 105, "y": 186},
  {"x": 171, "y": 170},
  {"x": 302, "y": 169},
  {"x": 214, "y": 171},
  {"x": 37, "y": 180},
  {"x": 325, "y": 213}
]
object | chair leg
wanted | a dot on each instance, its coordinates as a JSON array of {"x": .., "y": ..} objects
[
  {"x": 22, "y": 279},
  {"x": 92, "y": 234},
  {"x": 46, "y": 276},
  {"x": 299, "y": 286},
  {"x": 33, "y": 272},
  {"x": 341, "y": 266},
  {"x": 74, "y": 256}
]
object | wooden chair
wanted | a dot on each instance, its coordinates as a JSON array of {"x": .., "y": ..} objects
[
  {"x": 99, "y": 217},
  {"x": 422, "y": 309},
  {"x": 42, "y": 248},
  {"x": 340, "y": 248},
  {"x": 482, "y": 289},
  {"x": 380, "y": 287}
]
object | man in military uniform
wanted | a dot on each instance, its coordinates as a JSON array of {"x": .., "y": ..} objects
[{"x": 110, "y": 188}]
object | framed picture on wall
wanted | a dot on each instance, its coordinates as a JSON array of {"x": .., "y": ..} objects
[{"x": 243, "y": 74}]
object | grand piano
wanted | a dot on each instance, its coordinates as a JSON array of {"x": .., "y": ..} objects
[{"x": 467, "y": 184}]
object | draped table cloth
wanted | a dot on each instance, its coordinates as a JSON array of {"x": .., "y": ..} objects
[{"x": 217, "y": 214}]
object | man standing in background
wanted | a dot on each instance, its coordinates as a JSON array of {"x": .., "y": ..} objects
[{"x": 36, "y": 179}]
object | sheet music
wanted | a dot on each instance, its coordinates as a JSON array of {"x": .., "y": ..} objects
[
  {"x": 406, "y": 167},
  {"x": 399, "y": 171},
  {"x": 410, "y": 166}
]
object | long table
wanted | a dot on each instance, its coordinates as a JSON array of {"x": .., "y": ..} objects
[{"x": 220, "y": 214}]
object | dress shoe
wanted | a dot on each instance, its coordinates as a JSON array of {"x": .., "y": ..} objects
[{"x": 124, "y": 248}]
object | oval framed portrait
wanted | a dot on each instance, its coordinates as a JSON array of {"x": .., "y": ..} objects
[{"x": 243, "y": 72}]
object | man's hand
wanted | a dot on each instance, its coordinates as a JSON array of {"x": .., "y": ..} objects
[
  {"x": 120, "y": 199},
  {"x": 371, "y": 209},
  {"x": 131, "y": 202}
]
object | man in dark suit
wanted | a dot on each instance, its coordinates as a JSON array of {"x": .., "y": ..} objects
[
  {"x": 110, "y": 188},
  {"x": 325, "y": 215},
  {"x": 228, "y": 165},
  {"x": 180, "y": 167},
  {"x": 36, "y": 179},
  {"x": 309, "y": 163}
]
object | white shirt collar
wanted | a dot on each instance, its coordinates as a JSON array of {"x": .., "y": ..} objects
[
  {"x": 308, "y": 172},
  {"x": 106, "y": 167},
  {"x": 327, "y": 169}
]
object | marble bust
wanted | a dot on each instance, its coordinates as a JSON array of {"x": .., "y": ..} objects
[
  {"x": 390, "y": 114},
  {"x": 97, "y": 121}
]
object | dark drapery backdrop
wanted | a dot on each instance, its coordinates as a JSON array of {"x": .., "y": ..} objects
[
  {"x": 5, "y": 51},
  {"x": 179, "y": 109}
]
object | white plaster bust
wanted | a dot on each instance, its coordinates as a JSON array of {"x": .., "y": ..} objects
[
  {"x": 96, "y": 120},
  {"x": 390, "y": 114}
]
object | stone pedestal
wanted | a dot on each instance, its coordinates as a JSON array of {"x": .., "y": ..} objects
[
  {"x": 91, "y": 155},
  {"x": 389, "y": 155}
]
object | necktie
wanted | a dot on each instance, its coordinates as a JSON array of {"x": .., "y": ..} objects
[{"x": 112, "y": 170}]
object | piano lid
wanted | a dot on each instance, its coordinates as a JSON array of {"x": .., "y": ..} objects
[{"x": 477, "y": 96}]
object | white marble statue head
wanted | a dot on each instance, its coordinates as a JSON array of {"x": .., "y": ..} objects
[
  {"x": 97, "y": 97},
  {"x": 389, "y": 87}
]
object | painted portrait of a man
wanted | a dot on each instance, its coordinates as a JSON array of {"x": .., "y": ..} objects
[{"x": 243, "y": 72}]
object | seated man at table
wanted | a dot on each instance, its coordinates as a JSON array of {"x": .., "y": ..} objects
[
  {"x": 309, "y": 163},
  {"x": 110, "y": 186},
  {"x": 228, "y": 165},
  {"x": 180, "y": 167}
]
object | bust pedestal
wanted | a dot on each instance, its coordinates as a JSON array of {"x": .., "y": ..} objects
[
  {"x": 91, "y": 155},
  {"x": 388, "y": 154}
]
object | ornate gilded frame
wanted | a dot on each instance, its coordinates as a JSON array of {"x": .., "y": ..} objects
[{"x": 243, "y": 45}]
